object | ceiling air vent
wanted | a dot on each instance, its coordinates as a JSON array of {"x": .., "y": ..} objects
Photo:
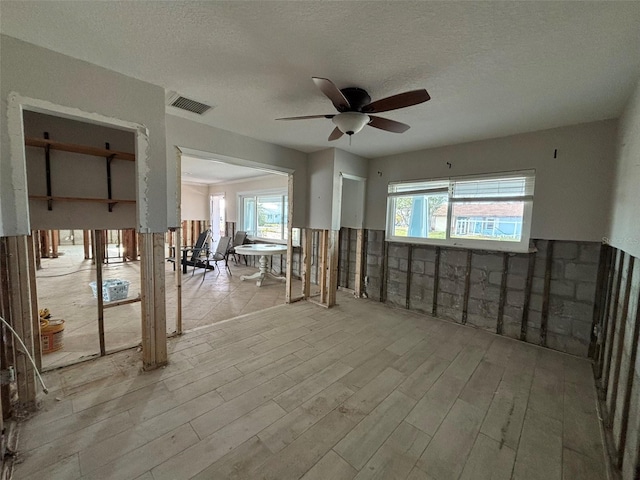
[{"x": 190, "y": 105}]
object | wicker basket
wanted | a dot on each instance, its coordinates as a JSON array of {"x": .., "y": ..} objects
[{"x": 112, "y": 290}]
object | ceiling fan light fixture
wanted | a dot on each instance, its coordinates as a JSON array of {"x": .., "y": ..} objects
[{"x": 350, "y": 122}]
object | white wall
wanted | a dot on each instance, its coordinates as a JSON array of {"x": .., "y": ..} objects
[
  {"x": 572, "y": 193},
  {"x": 28, "y": 71},
  {"x": 194, "y": 202},
  {"x": 244, "y": 150},
  {"x": 625, "y": 227},
  {"x": 321, "y": 183},
  {"x": 352, "y": 214},
  {"x": 352, "y": 203},
  {"x": 232, "y": 189}
]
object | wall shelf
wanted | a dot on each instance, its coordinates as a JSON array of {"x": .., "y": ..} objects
[
  {"x": 108, "y": 154},
  {"x": 73, "y": 148}
]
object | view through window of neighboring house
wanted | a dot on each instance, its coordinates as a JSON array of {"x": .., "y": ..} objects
[
  {"x": 476, "y": 212},
  {"x": 265, "y": 216}
]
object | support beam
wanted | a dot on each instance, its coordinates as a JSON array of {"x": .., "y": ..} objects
[
  {"x": 154, "y": 340},
  {"x": 177, "y": 274},
  {"x": 86, "y": 244}
]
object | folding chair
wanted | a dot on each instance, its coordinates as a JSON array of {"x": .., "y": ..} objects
[
  {"x": 221, "y": 253},
  {"x": 240, "y": 238}
]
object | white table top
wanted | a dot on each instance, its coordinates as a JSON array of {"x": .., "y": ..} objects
[{"x": 261, "y": 249}]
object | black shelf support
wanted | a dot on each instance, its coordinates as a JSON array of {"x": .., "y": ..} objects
[
  {"x": 109, "y": 158},
  {"x": 47, "y": 157}
]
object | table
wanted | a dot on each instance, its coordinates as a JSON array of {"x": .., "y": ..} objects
[{"x": 264, "y": 250}]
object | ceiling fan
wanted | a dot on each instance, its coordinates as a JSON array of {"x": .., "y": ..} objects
[{"x": 354, "y": 106}]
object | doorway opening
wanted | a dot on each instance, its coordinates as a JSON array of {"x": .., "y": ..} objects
[{"x": 232, "y": 199}]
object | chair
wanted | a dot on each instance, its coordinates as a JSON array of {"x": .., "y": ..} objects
[
  {"x": 199, "y": 252},
  {"x": 240, "y": 238},
  {"x": 221, "y": 253}
]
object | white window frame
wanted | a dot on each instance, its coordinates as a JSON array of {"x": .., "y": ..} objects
[
  {"x": 279, "y": 192},
  {"x": 414, "y": 187}
]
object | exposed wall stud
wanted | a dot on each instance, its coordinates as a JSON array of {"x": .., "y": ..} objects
[
  {"x": 35, "y": 317},
  {"x": 436, "y": 283},
  {"x": 611, "y": 280},
  {"x": 408, "y": 290},
  {"x": 601, "y": 280},
  {"x": 322, "y": 274},
  {"x": 289, "y": 266},
  {"x": 306, "y": 262},
  {"x": 360, "y": 262},
  {"x": 626, "y": 404},
  {"x": 348, "y": 260},
  {"x": 332, "y": 270},
  {"x": 546, "y": 294},
  {"x": 467, "y": 287},
  {"x": 527, "y": 295},
  {"x": 619, "y": 339},
  {"x": 383, "y": 270},
  {"x": 613, "y": 321},
  {"x": 503, "y": 292},
  {"x": 98, "y": 241}
]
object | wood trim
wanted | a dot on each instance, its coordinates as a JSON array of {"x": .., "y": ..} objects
[{"x": 74, "y": 148}]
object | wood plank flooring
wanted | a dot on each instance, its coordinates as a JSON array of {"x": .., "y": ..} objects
[{"x": 361, "y": 391}]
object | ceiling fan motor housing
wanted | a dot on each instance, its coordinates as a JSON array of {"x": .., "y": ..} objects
[{"x": 358, "y": 98}]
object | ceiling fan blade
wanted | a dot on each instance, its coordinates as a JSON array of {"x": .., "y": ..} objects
[
  {"x": 388, "y": 125},
  {"x": 306, "y": 117},
  {"x": 336, "y": 134},
  {"x": 334, "y": 94},
  {"x": 394, "y": 102}
]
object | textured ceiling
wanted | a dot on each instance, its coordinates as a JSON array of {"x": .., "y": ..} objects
[{"x": 492, "y": 68}]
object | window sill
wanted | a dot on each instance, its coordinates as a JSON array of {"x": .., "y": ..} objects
[{"x": 489, "y": 246}]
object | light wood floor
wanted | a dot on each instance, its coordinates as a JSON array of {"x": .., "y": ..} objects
[{"x": 359, "y": 391}]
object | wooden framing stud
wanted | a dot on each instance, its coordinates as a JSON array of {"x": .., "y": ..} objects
[
  {"x": 360, "y": 262},
  {"x": 306, "y": 262},
  {"x": 467, "y": 288},
  {"x": 546, "y": 293},
  {"x": 613, "y": 320},
  {"x": 332, "y": 269},
  {"x": 527, "y": 296},
  {"x": 503, "y": 293},
  {"x": 436, "y": 283}
]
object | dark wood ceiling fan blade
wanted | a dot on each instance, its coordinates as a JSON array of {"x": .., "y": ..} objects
[
  {"x": 400, "y": 100},
  {"x": 306, "y": 117},
  {"x": 388, "y": 125},
  {"x": 336, "y": 134},
  {"x": 332, "y": 92}
]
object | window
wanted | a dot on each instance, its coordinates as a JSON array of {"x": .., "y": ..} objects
[
  {"x": 264, "y": 216},
  {"x": 490, "y": 212}
]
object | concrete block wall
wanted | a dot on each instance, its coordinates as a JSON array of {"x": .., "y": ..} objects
[
  {"x": 618, "y": 363},
  {"x": 574, "y": 273}
]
